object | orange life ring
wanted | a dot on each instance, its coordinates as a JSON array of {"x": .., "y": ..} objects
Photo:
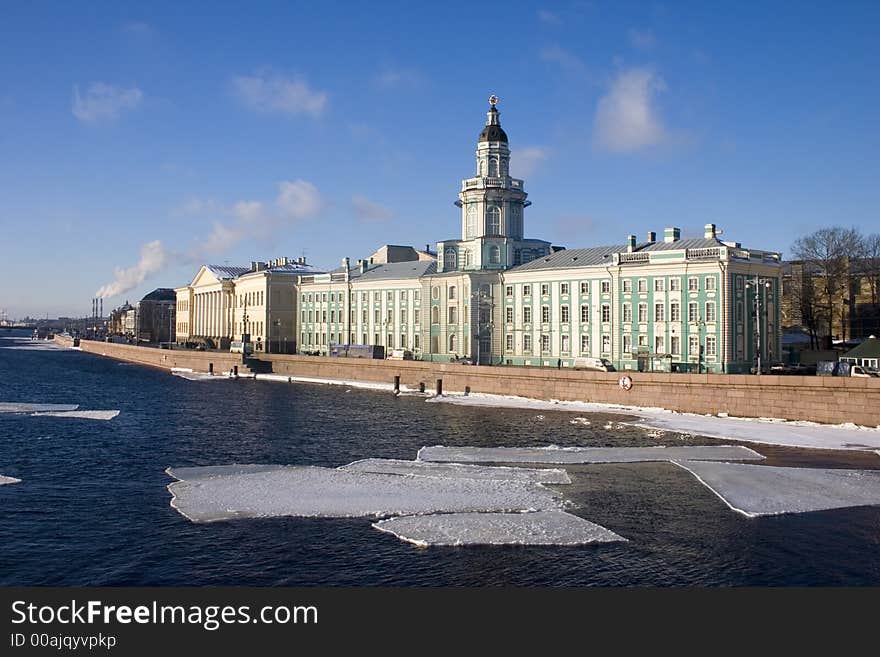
[{"x": 625, "y": 382}]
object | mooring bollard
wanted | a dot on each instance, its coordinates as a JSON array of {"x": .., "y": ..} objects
[
  {"x": 421, "y": 386},
  {"x": 397, "y": 384},
  {"x": 439, "y": 387},
  {"x": 467, "y": 390},
  {"x": 210, "y": 368},
  {"x": 235, "y": 371}
]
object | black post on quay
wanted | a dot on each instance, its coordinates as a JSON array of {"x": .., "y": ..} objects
[{"x": 438, "y": 388}]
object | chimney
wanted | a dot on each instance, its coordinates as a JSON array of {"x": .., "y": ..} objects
[
  {"x": 671, "y": 234},
  {"x": 652, "y": 237},
  {"x": 346, "y": 263},
  {"x": 710, "y": 232},
  {"x": 427, "y": 248},
  {"x": 630, "y": 243},
  {"x": 364, "y": 266}
]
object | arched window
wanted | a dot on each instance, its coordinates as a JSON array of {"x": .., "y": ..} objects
[
  {"x": 471, "y": 223},
  {"x": 503, "y": 167},
  {"x": 449, "y": 259},
  {"x": 493, "y": 220},
  {"x": 468, "y": 258},
  {"x": 494, "y": 255},
  {"x": 435, "y": 315},
  {"x": 452, "y": 343},
  {"x": 493, "y": 167}
]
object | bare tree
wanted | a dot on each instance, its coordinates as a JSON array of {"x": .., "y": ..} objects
[{"x": 827, "y": 253}]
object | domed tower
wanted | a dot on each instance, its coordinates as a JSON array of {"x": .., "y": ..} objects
[{"x": 492, "y": 205}]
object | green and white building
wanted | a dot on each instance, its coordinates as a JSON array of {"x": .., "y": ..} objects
[{"x": 496, "y": 297}]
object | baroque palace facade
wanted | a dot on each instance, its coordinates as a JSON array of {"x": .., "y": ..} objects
[{"x": 496, "y": 297}]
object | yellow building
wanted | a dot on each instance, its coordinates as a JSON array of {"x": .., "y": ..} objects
[{"x": 224, "y": 303}]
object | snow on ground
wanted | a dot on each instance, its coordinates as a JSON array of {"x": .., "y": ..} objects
[
  {"x": 17, "y": 407},
  {"x": 759, "y": 490},
  {"x": 458, "y": 471},
  {"x": 8, "y": 480},
  {"x": 85, "y": 415},
  {"x": 555, "y": 454},
  {"x": 757, "y": 430},
  {"x": 366, "y": 385},
  {"x": 539, "y": 528},
  {"x": 306, "y": 491},
  {"x": 199, "y": 376}
]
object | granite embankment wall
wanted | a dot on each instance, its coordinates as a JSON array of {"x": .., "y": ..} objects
[{"x": 819, "y": 399}]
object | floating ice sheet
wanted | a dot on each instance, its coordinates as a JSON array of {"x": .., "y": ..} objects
[
  {"x": 458, "y": 470},
  {"x": 86, "y": 415},
  {"x": 555, "y": 454},
  {"x": 17, "y": 407},
  {"x": 539, "y": 528},
  {"x": 8, "y": 480},
  {"x": 306, "y": 491},
  {"x": 760, "y": 490}
]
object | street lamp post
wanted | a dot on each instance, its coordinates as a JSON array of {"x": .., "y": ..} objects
[{"x": 757, "y": 284}]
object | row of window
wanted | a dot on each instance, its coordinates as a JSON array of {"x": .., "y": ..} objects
[
  {"x": 605, "y": 286},
  {"x": 338, "y": 297},
  {"x": 659, "y": 313},
  {"x": 710, "y": 345}
]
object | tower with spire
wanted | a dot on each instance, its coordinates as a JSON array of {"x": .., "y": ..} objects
[{"x": 492, "y": 207}]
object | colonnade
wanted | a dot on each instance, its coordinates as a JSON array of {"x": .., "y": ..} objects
[{"x": 213, "y": 314}]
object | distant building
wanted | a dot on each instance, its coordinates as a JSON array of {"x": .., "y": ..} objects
[
  {"x": 155, "y": 316},
  {"x": 854, "y": 306}
]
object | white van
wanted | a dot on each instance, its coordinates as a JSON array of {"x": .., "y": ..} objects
[
  {"x": 400, "y": 354},
  {"x": 594, "y": 364}
]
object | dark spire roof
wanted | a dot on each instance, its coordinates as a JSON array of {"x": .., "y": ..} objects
[{"x": 493, "y": 131}]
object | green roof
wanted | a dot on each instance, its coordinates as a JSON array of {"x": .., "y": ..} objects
[{"x": 870, "y": 348}]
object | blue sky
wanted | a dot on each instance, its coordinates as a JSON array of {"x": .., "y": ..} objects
[{"x": 139, "y": 140}]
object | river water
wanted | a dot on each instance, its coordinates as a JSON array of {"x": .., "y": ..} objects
[{"x": 93, "y": 509}]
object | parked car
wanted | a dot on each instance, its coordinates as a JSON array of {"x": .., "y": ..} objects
[
  {"x": 400, "y": 354},
  {"x": 462, "y": 360},
  {"x": 239, "y": 347}
]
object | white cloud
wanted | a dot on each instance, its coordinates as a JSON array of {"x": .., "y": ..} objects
[
  {"x": 368, "y": 210},
  {"x": 153, "y": 258},
  {"x": 548, "y": 17},
  {"x": 524, "y": 161},
  {"x": 393, "y": 78},
  {"x": 275, "y": 93},
  {"x": 299, "y": 199},
  {"x": 252, "y": 220},
  {"x": 641, "y": 39},
  {"x": 564, "y": 58},
  {"x": 626, "y": 118},
  {"x": 104, "y": 101}
]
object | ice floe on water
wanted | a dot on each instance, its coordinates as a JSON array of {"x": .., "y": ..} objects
[
  {"x": 539, "y": 528},
  {"x": 55, "y": 410},
  {"x": 85, "y": 415},
  {"x": 19, "y": 407},
  {"x": 307, "y": 491},
  {"x": 554, "y": 454},
  {"x": 8, "y": 480},
  {"x": 459, "y": 471},
  {"x": 760, "y": 490},
  {"x": 771, "y": 431}
]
